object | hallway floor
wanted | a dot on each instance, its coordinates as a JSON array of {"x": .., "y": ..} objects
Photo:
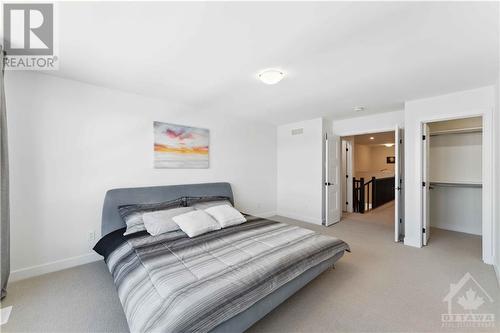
[{"x": 381, "y": 215}]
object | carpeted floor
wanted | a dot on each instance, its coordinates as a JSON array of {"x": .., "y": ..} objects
[
  {"x": 381, "y": 286},
  {"x": 383, "y": 215}
]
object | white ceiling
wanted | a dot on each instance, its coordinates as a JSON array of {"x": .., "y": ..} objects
[
  {"x": 378, "y": 138},
  {"x": 337, "y": 55}
]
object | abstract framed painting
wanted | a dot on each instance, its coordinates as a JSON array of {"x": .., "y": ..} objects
[{"x": 180, "y": 147}]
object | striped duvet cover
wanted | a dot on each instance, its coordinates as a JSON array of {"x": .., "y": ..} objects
[{"x": 173, "y": 283}]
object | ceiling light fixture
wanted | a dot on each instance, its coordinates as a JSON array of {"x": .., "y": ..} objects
[
  {"x": 372, "y": 138},
  {"x": 271, "y": 76},
  {"x": 388, "y": 144},
  {"x": 358, "y": 108}
]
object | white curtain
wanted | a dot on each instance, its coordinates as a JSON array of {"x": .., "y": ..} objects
[{"x": 4, "y": 186}]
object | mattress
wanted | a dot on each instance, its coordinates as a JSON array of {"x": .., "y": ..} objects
[{"x": 173, "y": 283}]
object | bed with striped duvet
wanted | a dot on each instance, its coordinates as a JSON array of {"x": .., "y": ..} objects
[{"x": 173, "y": 283}]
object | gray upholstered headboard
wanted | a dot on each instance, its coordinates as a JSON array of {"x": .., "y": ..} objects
[{"x": 111, "y": 219}]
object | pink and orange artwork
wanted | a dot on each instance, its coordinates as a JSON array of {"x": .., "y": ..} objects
[{"x": 180, "y": 147}]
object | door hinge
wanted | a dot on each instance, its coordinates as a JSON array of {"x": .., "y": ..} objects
[
  {"x": 347, "y": 149},
  {"x": 400, "y": 220},
  {"x": 423, "y": 230},
  {"x": 346, "y": 176},
  {"x": 401, "y": 141},
  {"x": 346, "y": 203},
  {"x": 423, "y": 137},
  {"x": 423, "y": 184}
]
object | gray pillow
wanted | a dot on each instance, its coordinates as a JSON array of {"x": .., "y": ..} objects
[
  {"x": 132, "y": 214},
  {"x": 206, "y": 202},
  {"x": 160, "y": 221}
]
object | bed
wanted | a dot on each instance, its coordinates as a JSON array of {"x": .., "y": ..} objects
[{"x": 222, "y": 281}]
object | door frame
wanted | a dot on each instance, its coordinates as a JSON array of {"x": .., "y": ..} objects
[
  {"x": 347, "y": 169},
  {"x": 343, "y": 134},
  {"x": 425, "y": 189},
  {"x": 487, "y": 161},
  {"x": 351, "y": 156},
  {"x": 398, "y": 185}
]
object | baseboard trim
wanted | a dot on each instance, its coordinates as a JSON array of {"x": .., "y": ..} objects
[
  {"x": 300, "y": 218},
  {"x": 54, "y": 266},
  {"x": 265, "y": 215}
]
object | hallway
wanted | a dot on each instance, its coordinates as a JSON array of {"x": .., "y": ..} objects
[{"x": 383, "y": 215}]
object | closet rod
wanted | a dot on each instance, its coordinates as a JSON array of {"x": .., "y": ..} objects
[
  {"x": 439, "y": 184},
  {"x": 458, "y": 131}
]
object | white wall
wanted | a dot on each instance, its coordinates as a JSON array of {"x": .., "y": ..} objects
[
  {"x": 457, "y": 105},
  {"x": 371, "y": 161},
  {"x": 456, "y": 209},
  {"x": 71, "y": 142},
  {"x": 456, "y": 158},
  {"x": 300, "y": 171},
  {"x": 362, "y": 159},
  {"x": 379, "y": 158},
  {"x": 381, "y": 122}
]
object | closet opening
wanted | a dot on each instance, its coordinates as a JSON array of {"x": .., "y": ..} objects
[
  {"x": 371, "y": 182},
  {"x": 452, "y": 159}
]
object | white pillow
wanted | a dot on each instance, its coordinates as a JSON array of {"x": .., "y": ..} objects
[
  {"x": 226, "y": 215},
  {"x": 196, "y": 223},
  {"x": 160, "y": 221}
]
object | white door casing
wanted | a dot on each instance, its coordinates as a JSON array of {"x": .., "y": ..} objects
[
  {"x": 343, "y": 174},
  {"x": 349, "y": 171},
  {"x": 426, "y": 219},
  {"x": 397, "y": 185},
  {"x": 346, "y": 176}
]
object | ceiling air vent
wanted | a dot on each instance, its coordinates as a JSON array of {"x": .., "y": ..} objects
[{"x": 297, "y": 131}]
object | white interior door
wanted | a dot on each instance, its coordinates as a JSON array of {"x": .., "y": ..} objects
[
  {"x": 397, "y": 185},
  {"x": 426, "y": 220},
  {"x": 333, "y": 195},
  {"x": 348, "y": 176},
  {"x": 344, "y": 174}
]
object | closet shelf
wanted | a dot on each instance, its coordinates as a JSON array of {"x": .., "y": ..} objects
[
  {"x": 458, "y": 131},
  {"x": 456, "y": 184}
]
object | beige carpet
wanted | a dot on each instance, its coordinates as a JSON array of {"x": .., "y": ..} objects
[
  {"x": 381, "y": 286},
  {"x": 382, "y": 215}
]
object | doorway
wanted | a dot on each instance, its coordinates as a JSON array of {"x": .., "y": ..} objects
[
  {"x": 371, "y": 178},
  {"x": 452, "y": 185}
]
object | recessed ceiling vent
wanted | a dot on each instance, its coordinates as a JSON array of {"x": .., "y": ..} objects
[{"x": 297, "y": 131}]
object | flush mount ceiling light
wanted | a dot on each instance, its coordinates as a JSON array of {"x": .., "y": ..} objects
[
  {"x": 388, "y": 144},
  {"x": 372, "y": 138},
  {"x": 271, "y": 76},
  {"x": 358, "y": 108}
]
